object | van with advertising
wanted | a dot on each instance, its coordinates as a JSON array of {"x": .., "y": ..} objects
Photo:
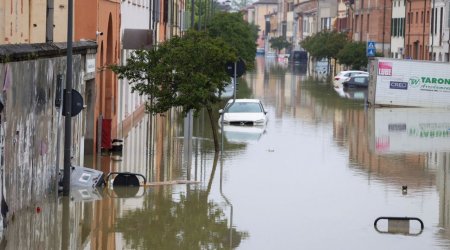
[
  {"x": 414, "y": 83},
  {"x": 299, "y": 57}
]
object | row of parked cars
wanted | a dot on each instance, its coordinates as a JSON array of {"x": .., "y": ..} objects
[{"x": 351, "y": 79}]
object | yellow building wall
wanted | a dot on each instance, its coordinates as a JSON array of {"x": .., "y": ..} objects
[{"x": 25, "y": 21}]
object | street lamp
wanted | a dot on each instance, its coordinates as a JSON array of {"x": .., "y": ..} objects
[
  {"x": 294, "y": 35},
  {"x": 348, "y": 4}
]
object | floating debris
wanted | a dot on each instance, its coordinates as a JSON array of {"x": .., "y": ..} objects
[{"x": 175, "y": 182}]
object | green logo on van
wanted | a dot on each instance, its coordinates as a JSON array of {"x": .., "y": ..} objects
[{"x": 414, "y": 82}]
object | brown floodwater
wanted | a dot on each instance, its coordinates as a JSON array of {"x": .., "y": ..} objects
[{"x": 317, "y": 176}]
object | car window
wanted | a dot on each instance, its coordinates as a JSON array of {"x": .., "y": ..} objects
[
  {"x": 348, "y": 74},
  {"x": 243, "y": 107},
  {"x": 360, "y": 79}
]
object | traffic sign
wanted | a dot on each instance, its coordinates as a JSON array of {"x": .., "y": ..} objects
[
  {"x": 240, "y": 68},
  {"x": 76, "y": 105},
  {"x": 371, "y": 50}
]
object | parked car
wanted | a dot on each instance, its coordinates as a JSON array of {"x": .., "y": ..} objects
[
  {"x": 356, "y": 81},
  {"x": 243, "y": 112},
  {"x": 260, "y": 51},
  {"x": 344, "y": 75}
]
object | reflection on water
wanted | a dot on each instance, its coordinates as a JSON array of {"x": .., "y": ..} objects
[
  {"x": 243, "y": 134},
  {"x": 163, "y": 217},
  {"x": 315, "y": 178},
  {"x": 415, "y": 130}
]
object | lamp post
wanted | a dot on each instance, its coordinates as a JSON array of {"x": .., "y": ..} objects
[
  {"x": 348, "y": 4},
  {"x": 68, "y": 103},
  {"x": 294, "y": 35}
]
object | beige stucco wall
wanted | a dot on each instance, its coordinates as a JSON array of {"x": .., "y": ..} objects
[
  {"x": 260, "y": 11},
  {"x": 60, "y": 21},
  {"x": 25, "y": 21}
]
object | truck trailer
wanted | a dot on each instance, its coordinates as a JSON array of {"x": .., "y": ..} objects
[{"x": 413, "y": 83}]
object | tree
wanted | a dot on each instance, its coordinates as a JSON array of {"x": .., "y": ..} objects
[
  {"x": 325, "y": 44},
  {"x": 279, "y": 43},
  {"x": 353, "y": 55},
  {"x": 237, "y": 33},
  {"x": 182, "y": 72}
]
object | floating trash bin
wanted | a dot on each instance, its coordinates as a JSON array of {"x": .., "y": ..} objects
[
  {"x": 400, "y": 225},
  {"x": 125, "y": 179},
  {"x": 125, "y": 184}
]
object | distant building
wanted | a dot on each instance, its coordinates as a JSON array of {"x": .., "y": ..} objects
[
  {"x": 27, "y": 22},
  {"x": 342, "y": 18},
  {"x": 439, "y": 32},
  {"x": 307, "y": 10},
  {"x": 371, "y": 21},
  {"x": 398, "y": 24},
  {"x": 417, "y": 30},
  {"x": 261, "y": 9},
  {"x": 100, "y": 21}
]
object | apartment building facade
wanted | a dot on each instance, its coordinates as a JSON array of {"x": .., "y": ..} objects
[
  {"x": 398, "y": 28},
  {"x": 262, "y": 11},
  {"x": 417, "y": 30}
]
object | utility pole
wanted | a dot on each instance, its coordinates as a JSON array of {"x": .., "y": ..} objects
[{"x": 68, "y": 103}]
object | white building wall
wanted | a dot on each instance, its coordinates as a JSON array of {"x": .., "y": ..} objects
[
  {"x": 398, "y": 42},
  {"x": 440, "y": 39},
  {"x": 133, "y": 16}
]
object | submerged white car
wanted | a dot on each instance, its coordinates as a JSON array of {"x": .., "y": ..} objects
[
  {"x": 344, "y": 75},
  {"x": 243, "y": 112}
]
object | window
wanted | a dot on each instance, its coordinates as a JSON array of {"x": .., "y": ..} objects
[
  {"x": 432, "y": 21},
  {"x": 435, "y": 22},
  {"x": 325, "y": 23},
  {"x": 362, "y": 21},
  {"x": 367, "y": 24}
]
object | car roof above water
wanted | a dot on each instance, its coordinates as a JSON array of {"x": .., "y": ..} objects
[
  {"x": 244, "y": 100},
  {"x": 352, "y": 71}
]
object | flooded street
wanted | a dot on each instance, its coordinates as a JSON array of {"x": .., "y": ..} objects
[{"x": 317, "y": 176}]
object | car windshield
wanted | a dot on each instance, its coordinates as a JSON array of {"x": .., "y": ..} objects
[{"x": 245, "y": 107}]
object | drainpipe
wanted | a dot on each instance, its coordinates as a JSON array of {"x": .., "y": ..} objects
[
  {"x": 391, "y": 52},
  {"x": 362, "y": 21},
  {"x": 409, "y": 28},
  {"x": 423, "y": 29},
  {"x": 318, "y": 15},
  {"x": 384, "y": 23},
  {"x": 432, "y": 32},
  {"x": 49, "y": 22}
]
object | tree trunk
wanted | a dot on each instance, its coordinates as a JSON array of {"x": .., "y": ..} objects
[
  {"x": 214, "y": 129},
  {"x": 213, "y": 173}
]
